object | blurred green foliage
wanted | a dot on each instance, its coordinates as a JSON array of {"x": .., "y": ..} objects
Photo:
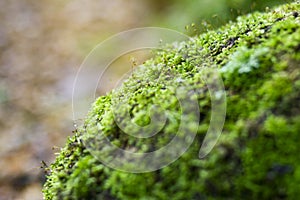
[{"x": 199, "y": 15}]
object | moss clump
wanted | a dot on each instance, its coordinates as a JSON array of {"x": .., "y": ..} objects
[{"x": 257, "y": 155}]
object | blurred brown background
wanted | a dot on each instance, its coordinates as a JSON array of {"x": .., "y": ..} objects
[{"x": 43, "y": 43}]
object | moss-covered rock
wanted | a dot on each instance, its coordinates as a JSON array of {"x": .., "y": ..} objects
[{"x": 257, "y": 155}]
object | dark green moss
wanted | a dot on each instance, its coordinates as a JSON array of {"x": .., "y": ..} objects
[{"x": 257, "y": 155}]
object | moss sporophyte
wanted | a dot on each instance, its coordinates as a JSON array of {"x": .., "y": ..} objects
[{"x": 257, "y": 154}]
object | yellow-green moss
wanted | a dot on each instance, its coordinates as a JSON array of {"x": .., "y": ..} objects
[{"x": 257, "y": 155}]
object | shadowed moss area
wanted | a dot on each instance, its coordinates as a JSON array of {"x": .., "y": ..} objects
[{"x": 257, "y": 155}]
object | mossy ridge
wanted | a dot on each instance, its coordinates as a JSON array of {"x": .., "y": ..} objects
[{"x": 258, "y": 120}]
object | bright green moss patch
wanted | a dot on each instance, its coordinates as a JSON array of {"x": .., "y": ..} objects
[{"x": 257, "y": 155}]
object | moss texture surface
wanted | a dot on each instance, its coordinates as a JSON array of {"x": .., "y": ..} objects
[{"x": 257, "y": 155}]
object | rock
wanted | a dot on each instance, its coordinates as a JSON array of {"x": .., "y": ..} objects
[{"x": 257, "y": 154}]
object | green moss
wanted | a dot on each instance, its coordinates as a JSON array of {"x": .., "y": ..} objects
[{"x": 257, "y": 155}]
